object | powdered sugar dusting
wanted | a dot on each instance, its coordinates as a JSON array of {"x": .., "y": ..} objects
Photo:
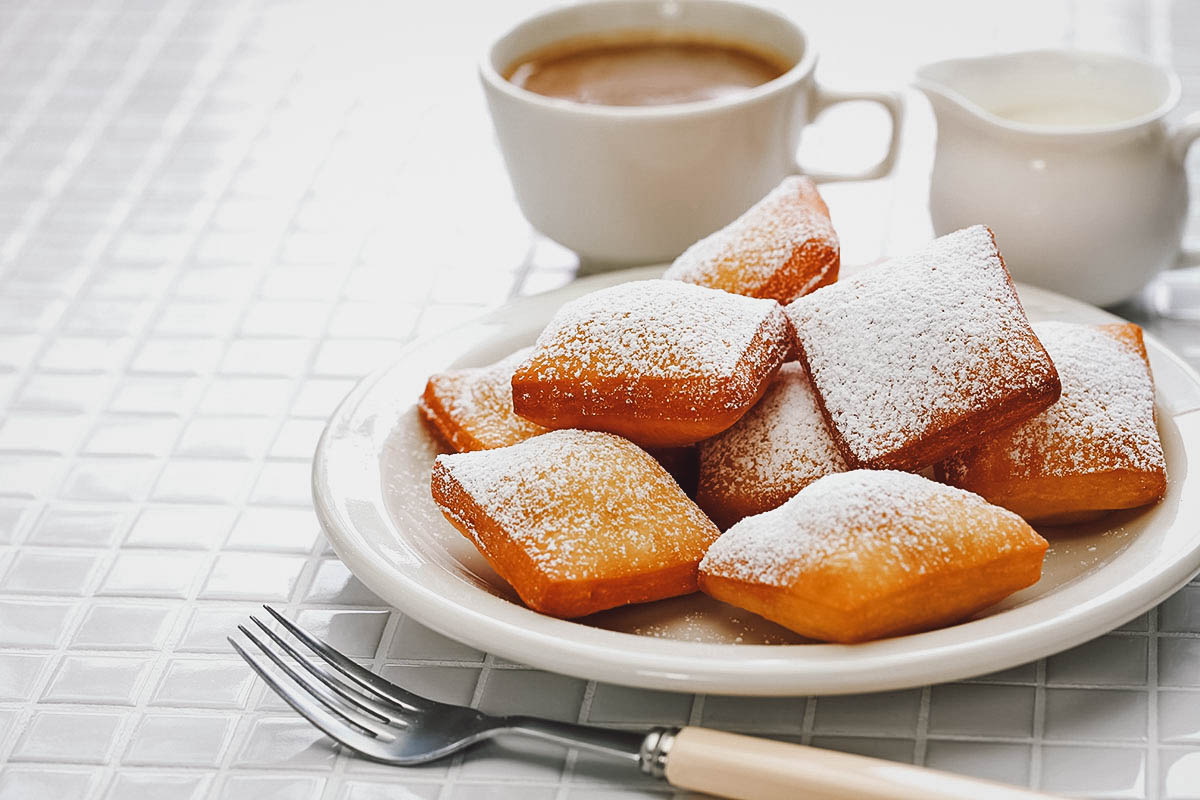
[
  {"x": 749, "y": 251},
  {"x": 1104, "y": 419},
  {"x": 775, "y": 450},
  {"x": 583, "y": 504},
  {"x": 898, "y": 523},
  {"x": 480, "y": 400},
  {"x": 916, "y": 340},
  {"x": 658, "y": 330}
]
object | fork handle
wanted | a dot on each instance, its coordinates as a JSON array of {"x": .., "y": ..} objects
[{"x": 729, "y": 765}]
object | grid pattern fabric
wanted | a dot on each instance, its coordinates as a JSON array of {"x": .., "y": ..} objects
[{"x": 215, "y": 215}]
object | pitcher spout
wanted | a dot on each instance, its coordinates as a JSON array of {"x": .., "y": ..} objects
[
  {"x": 1049, "y": 92},
  {"x": 954, "y": 86}
]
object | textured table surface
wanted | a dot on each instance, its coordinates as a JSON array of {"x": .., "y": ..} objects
[{"x": 214, "y": 216}]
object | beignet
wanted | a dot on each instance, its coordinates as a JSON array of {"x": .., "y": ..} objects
[
  {"x": 660, "y": 362},
  {"x": 868, "y": 554},
  {"x": 471, "y": 409},
  {"x": 778, "y": 448},
  {"x": 782, "y": 248},
  {"x": 576, "y": 521},
  {"x": 924, "y": 355},
  {"x": 1095, "y": 450}
]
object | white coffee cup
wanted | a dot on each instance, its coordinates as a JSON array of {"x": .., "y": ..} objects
[{"x": 627, "y": 185}]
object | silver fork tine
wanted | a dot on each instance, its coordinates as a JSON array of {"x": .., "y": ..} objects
[
  {"x": 306, "y": 706},
  {"x": 376, "y": 727},
  {"x": 363, "y": 677},
  {"x": 385, "y": 712},
  {"x": 422, "y": 734}
]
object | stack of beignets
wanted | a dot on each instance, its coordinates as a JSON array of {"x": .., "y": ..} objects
[
  {"x": 471, "y": 409},
  {"x": 782, "y": 248},
  {"x": 921, "y": 361},
  {"x": 576, "y": 521},
  {"x": 1095, "y": 450},
  {"x": 660, "y": 362},
  {"x": 920, "y": 356}
]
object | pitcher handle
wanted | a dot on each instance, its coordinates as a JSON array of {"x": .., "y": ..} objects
[
  {"x": 892, "y": 102},
  {"x": 1182, "y": 138}
]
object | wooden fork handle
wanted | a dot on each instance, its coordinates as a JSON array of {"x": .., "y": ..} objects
[{"x": 749, "y": 768}]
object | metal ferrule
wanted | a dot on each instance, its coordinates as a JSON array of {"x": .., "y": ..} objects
[{"x": 656, "y": 747}]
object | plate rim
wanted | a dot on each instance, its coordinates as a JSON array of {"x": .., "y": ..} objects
[{"x": 757, "y": 670}]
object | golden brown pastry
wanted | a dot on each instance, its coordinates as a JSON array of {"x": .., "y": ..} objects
[
  {"x": 782, "y": 248},
  {"x": 577, "y": 521},
  {"x": 924, "y": 355},
  {"x": 471, "y": 409},
  {"x": 867, "y": 554},
  {"x": 660, "y": 362},
  {"x": 778, "y": 448},
  {"x": 1094, "y": 450}
]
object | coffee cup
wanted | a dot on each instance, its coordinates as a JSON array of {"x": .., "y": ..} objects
[{"x": 623, "y": 185}]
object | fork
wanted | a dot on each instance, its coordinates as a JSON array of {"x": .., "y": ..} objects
[{"x": 385, "y": 722}]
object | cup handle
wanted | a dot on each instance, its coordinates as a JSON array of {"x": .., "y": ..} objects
[
  {"x": 1182, "y": 139},
  {"x": 1183, "y": 136},
  {"x": 892, "y": 102}
]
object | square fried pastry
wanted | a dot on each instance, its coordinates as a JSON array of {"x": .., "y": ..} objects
[
  {"x": 471, "y": 409},
  {"x": 660, "y": 362},
  {"x": 924, "y": 355},
  {"x": 782, "y": 248},
  {"x": 576, "y": 521},
  {"x": 1095, "y": 450},
  {"x": 868, "y": 554},
  {"x": 778, "y": 448}
]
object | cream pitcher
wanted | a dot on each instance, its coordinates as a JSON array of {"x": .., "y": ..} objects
[{"x": 1067, "y": 157}]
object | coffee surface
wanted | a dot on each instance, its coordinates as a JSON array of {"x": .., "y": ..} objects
[{"x": 644, "y": 72}]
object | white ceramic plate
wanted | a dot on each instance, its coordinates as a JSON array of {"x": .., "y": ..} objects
[{"x": 371, "y": 485}]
